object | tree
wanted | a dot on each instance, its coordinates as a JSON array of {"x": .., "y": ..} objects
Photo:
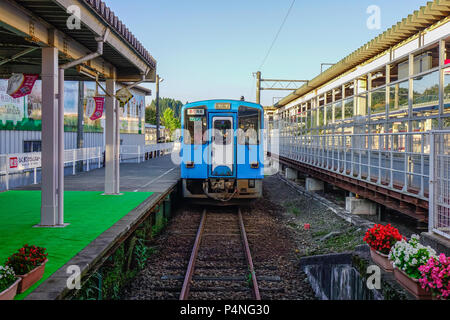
[
  {"x": 150, "y": 114},
  {"x": 170, "y": 121}
]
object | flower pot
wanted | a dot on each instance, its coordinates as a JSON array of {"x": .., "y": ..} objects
[
  {"x": 381, "y": 260},
  {"x": 411, "y": 285},
  {"x": 11, "y": 292},
  {"x": 31, "y": 277}
]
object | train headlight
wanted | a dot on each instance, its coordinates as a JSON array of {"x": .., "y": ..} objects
[
  {"x": 190, "y": 165},
  {"x": 254, "y": 165}
]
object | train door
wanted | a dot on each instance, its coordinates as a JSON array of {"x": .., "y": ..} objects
[{"x": 223, "y": 145}]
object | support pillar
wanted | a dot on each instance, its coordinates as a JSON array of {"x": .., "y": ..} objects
[
  {"x": 313, "y": 185},
  {"x": 291, "y": 174},
  {"x": 110, "y": 137},
  {"x": 117, "y": 149},
  {"x": 360, "y": 206},
  {"x": 49, "y": 199}
]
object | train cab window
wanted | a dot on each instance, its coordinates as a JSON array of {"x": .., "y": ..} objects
[
  {"x": 223, "y": 133},
  {"x": 249, "y": 123},
  {"x": 195, "y": 126}
]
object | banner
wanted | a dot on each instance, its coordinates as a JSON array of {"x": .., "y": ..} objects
[
  {"x": 98, "y": 110},
  {"x": 24, "y": 161},
  {"x": 20, "y": 85}
]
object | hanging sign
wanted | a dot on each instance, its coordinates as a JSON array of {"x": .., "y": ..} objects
[
  {"x": 20, "y": 85},
  {"x": 447, "y": 70},
  {"x": 95, "y": 107},
  {"x": 124, "y": 95}
]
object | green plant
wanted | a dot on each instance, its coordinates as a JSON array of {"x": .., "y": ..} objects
[
  {"x": 249, "y": 279},
  {"x": 27, "y": 259},
  {"x": 7, "y": 277}
]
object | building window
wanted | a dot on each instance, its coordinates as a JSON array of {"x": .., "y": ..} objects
[
  {"x": 348, "y": 109},
  {"x": 338, "y": 111},
  {"x": 398, "y": 100},
  {"x": 32, "y": 146},
  {"x": 378, "y": 78},
  {"x": 426, "y": 60},
  {"x": 378, "y": 102},
  {"x": 399, "y": 70},
  {"x": 349, "y": 89},
  {"x": 426, "y": 94},
  {"x": 447, "y": 90}
]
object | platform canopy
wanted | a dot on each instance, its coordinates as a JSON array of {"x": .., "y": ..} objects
[
  {"x": 71, "y": 40},
  {"x": 29, "y": 24}
]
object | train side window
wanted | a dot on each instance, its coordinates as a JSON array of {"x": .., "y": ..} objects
[
  {"x": 195, "y": 126},
  {"x": 249, "y": 124}
]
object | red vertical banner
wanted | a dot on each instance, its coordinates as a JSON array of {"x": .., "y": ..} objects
[
  {"x": 99, "y": 107},
  {"x": 20, "y": 85}
]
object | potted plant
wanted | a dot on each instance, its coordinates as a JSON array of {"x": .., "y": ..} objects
[
  {"x": 381, "y": 239},
  {"x": 8, "y": 283},
  {"x": 407, "y": 257},
  {"x": 28, "y": 264},
  {"x": 435, "y": 277}
]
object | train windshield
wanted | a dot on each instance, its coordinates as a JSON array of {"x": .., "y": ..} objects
[
  {"x": 249, "y": 124},
  {"x": 195, "y": 125},
  {"x": 223, "y": 133}
]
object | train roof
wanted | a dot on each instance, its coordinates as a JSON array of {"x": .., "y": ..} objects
[{"x": 235, "y": 104}]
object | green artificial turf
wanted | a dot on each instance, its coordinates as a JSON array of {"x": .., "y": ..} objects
[{"x": 89, "y": 215}]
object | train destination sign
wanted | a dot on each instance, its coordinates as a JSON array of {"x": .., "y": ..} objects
[
  {"x": 223, "y": 106},
  {"x": 196, "y": 112}
]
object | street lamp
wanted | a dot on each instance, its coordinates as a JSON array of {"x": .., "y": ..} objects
[{"x": 158, "y": 135}]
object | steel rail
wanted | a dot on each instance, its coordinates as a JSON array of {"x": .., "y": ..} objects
[
  {"x": 190, "y": 270},
  {"x": 249, "y": 257}
]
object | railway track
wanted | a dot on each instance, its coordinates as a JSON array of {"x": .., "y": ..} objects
[
  {"x": 217, "y": 230},
  {"x": 204, "y": 255}
]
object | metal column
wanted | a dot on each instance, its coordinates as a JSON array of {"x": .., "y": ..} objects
[
  {"x": 49, "y": 201},
  {"x": 110, "y": 137}
]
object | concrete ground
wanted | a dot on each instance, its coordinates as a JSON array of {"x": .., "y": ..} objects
[{"x": 154, "y": 175}]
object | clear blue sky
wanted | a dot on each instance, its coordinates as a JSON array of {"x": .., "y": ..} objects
[{"x": 209, "y": 49}]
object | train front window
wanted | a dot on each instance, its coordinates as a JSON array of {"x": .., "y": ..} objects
[
  {"x": 195, "y": 126},
  {"x": 223, "y": 133},
  {"x": 249, "y": 123}
]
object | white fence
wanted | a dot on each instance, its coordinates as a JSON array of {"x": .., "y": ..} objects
[
  {"x": 440, "y": 183},
  {"x": 414, "y": 163},
  {"x": 138, "y": 152},
  {"x": 9, "y": 167},
  {"x": 397, "y": 161}
]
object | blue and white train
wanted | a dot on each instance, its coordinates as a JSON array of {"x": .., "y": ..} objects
[{"x": 222, "y": 150}]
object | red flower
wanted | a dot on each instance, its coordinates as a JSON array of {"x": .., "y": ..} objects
[{"x": 382, "y": 238}]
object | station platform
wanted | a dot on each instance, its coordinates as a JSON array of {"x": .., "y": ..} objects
[{"x": 96, "y": 222}]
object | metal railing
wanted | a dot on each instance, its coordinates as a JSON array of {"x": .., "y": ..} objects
[
  {"x": 138, "y": 152},
  {"x": 397, "y": 161},
  {"x": 439, "y": 219}
]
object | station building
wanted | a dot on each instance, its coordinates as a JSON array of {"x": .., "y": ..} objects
[
  {"x": 21, "y": 119},
  {"x": 369, "y": 123}
]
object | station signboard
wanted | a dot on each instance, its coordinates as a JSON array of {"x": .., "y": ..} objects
[{"x": 24, "y": 161}]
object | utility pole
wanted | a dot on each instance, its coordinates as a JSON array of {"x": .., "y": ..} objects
[
  {"x": 258, "y": 87},
  {"x": 275, "y": 84},
  {"x": 158, "y": 135}
]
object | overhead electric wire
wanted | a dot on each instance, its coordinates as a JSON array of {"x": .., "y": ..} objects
[{"x": 276, "y": 36}]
